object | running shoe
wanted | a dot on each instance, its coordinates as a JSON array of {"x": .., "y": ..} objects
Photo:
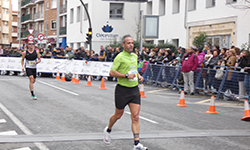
[
  {"x": 106, "y": 137},
  {"x": 139, "y": 146},
  {"x": 33, "y": 98}
]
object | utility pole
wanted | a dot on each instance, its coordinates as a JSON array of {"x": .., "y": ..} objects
[
  {"x": 57, "y": 25},
  {"x": 140, "y": 27},
  {"x": 90, "y": 27},
  {"x": 47, "y": 15}
]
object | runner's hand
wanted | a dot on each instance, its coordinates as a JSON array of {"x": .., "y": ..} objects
[
  {"x": 22, "y": 69},
  {"x": 140, "y": 78},
  {"x": 131, "y": 76}
]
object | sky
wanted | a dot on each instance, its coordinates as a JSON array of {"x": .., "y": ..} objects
[{"x": 15, "y": 5}]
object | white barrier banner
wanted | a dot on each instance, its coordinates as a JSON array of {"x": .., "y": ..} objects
[{"x": 61, "y": 65}]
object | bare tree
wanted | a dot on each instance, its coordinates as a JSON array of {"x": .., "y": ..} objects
[
  {"x": 243, "y": 4},
  {"x": 137, "y": 27}
]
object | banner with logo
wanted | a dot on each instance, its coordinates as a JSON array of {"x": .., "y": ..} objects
[{"x": 62, "y": 65}]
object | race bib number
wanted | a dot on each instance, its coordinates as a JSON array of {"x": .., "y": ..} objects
[
  {"x": 136, "y": 75},
  {"x": 32, "y": 63},
  {"x": 242, "y": 70}
]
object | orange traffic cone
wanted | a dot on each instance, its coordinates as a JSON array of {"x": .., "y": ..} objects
[
  {"x": 77, "y": 79},
  {"x": 89, "y": 81},
  {"x": 73, "y": 78},
  {"x": 142, "y": 91},
  {"x": 58, "y": 76},
  {"x": 182, "y": 100},
  {"x": 211, "y": 109},
  {"x": 63, "y": 78},
  {"x": 102, "y": 87},
  {"x": 247, "y": 112}
]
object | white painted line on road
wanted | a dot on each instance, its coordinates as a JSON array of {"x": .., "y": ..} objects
[
  {"x": 8, "y": 133},
  {"x": 3, "y": 121},
  {"x": 41, "y": 146},
  {"x": 204, "y": 101},
  {"x": 25, "y": 148},
  {"x": 58, "y": 88},
  {"x": 143, "y": 118}
]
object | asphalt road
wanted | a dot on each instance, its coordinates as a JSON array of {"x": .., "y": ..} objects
[{"x": 72, "y": 117}]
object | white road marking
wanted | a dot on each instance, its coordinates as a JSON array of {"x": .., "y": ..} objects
[
  {"x": 143, "y": 118},
  {"x": 8, "y": 133},
  {"x": 204, "y": 101},
  {"x": 41, "y": 146},
  {"x": 58, "y": 88},
  {"x": 3, "y": 121},
  {"x": 25, "y": 148}
]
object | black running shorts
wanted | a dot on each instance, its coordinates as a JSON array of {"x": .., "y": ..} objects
[
  {"x": 31, "y": 72},
  {"x": 125, "y": 95}
]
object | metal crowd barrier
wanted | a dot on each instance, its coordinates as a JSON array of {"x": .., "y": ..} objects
[{"x": 228, "y": 83}]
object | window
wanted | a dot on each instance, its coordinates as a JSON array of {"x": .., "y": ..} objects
[
  {"x": 191, "y": 5},
  {"x": 149, "y": 8},
  {"x": 53, "y": 4},
  {"x": 71, "y": 15},
  {"x": 78, "y": 45},
  {"x": 162, "y": 7},
  {"x": 231, "y": 1},
  {"x": 175, "y": 42},
  {"x": 85, "y": 14},
  {"x": 40, "y": 27},
  {"x": 78, "y": 14},
  {"x": 53, "y": 24},
  {"x": 116, "y": 10},
  {"x": 210, "y": 3},
  {"x": 72, "y": 45},
  {"x": 176, "y": 6},
  {"x": 160, "y": 42}
]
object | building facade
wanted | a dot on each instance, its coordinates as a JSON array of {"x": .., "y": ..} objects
[
  {"x": 110, "y": 21},
  {"x": 41, "y": 15},
  {"x": 180, "y": 21},
  {"x": 14, "y": 41},
  {"x": 5, "y": 23}
]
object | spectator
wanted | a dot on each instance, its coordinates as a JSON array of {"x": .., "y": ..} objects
[
  {"x": 117, "y": 51},
  {"x": 68, "y": 51},
  {"x": 109, "y": 54},
  {"x": 179, "y": 57},
  {"x": 247, "y": 76},
  {"x": 94, "y": 58},
  {"x": 152, "y": 57},
  {"x": 200, "y": 55},
  {"x": 138, "y": 55},
  {"x": 189, "y": 65},
  {"x": 205, "y": 49},
  {"x": 242, "y": 63},
  {"x": 47, "y": 53},
  {"x": 88, "y": 55},
  {"x": 223, "y": 53},
  {"x": 41, "y": 51},
  {"x": 15, "y": 51},
  {"x": 6, "y": 51},
  {"x": 78, "y": 54},
  {"x": 159, "y": 58},
  {"x": 208, "y": 57},
  {"x": 143, "y": 53},
  {"x": 231, "y": 63},
  {"x": 168, "y": 56},
  {"x": 102, "y": 54},
  {"x": 214, "y": 60},
  {"x": 209, "y": 46},
  {"x": 58, "y": 53}
]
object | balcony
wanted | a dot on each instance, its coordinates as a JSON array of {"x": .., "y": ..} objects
[
  {"x": 37, "y": 1},
  {"x": 25, "y": 34},
  {"x": 63, "y": 9},
  {"x": 5, "y": 41},
  {"x": 39, "y": 16},
  {"x": 63, "y": 30},
  {"x": 26, "y": 2},
  {"x": 14, "y": 24},
  {"x": 28, "y": 17},
  {"x": 6, "y": 4},
  {"x": 14, "y": 34},
  {"x": 5, "y": 17},
  {"x": 5, "y": 29}
]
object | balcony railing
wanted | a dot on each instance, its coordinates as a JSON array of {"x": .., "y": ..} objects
[
  {"x": 27, "y": 17},
  {"x": 63, "y": 30},
  {"x": 39, "y": 15},
  {"x": 5, "y": 29},
  {"x": 63, "y": 9},
  {"x": 25, "y": 2},
  {"x": 25, "y": 34}
]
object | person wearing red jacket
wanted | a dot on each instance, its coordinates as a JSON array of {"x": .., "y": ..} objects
[{"x": 189, "y": 65}]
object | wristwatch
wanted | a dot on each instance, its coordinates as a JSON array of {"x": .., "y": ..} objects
[{"x": 126, "y": 75}]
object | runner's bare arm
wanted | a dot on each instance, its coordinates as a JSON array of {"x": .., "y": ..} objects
[
  {"x": 22, "y": 61},
  {"x": 140, "y": 77},
  {"x": 39, "y": 57}
]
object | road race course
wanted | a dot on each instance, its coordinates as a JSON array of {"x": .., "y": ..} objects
[{"x": 67, "y": 116}]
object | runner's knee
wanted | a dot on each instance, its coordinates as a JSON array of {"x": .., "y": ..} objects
[{"x": 135, "y": 117}]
